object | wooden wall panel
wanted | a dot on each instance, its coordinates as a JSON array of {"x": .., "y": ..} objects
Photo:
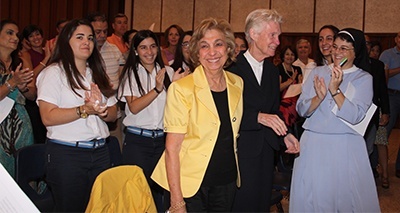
[
  {"x": 4, "y": 9},
  {"x": 342, "y": 14},
  {"x": 178, "y": 12},
  {"x": 211, "y": 8},
  {"x": 147, "y": 12},
  {"x": 240, "y": 9},
  {"x": 297, "y": 17},
  {"x": 46, "y": 13},
  {"x": 382, "y": 18}
]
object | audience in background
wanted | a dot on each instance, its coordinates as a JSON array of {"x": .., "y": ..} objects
[
  {"x": 289, "y": 75},
  {"x": 182, "y": 54},
  {"x": 15, "y": 128},
  {"x": 127, "y": 37},
  {"x": 303, "y": 49},
  {"x": 171, "y": 35},
  {"x": 391, "y": 59},
  {"x": 326, "y": 35},
  {"x": 120, "y": 25},
  {"x": 240, "y": 44},
  {"x": 376, "y": 131},
  {"x": 37, "y": 58},
  {"x": 59, "y": 26},
  {"x": 376, "y": 49},
  {"x": 75, "y": 100}
]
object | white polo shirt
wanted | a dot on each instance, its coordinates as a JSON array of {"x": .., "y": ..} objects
[
  {"x": 152, "y": 116},
  {"x": 52, "y": 87}
]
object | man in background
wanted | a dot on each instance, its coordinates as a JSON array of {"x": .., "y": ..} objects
[
  {"x": 120, "y": 26},
  {"x": 391, "y": 59},
  {"x": 303, "y": 48}
]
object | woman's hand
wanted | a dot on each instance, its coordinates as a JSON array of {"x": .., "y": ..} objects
[
  {"x": 160, "y": 79},
  {"x": 384, "y": 120},
  {"x": 320, "y": 87},
  {"x": 336, "y": 78},
  {"x": 94, "y": 102},
  {"x": 178, "y": 74},
  {"x": 21, "y": 77}
]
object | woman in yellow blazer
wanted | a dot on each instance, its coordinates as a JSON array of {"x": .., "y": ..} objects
[{"x": 202, "y": 119}]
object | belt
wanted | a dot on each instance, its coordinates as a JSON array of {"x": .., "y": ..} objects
[
  {"x": 92, "y": 144},
  {"x": 146, "y": 132},
  {"x": 393, "y": 91}
]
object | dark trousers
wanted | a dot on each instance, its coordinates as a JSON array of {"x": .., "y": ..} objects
[
  {"x": 145, "y": 153},
  {"x": 254, "y": 195},
  {"x": 71, "y": 172},
  {"x": 210, "y": 199},
  {"x": 394, "y": 100}
]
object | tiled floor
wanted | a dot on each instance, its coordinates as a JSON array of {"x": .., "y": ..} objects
[{"x": 389, "y": 199}]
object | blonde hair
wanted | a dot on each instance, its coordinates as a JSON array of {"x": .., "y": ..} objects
[
  {"x": 256, "y": 19},
  {"x": 212, "y": 24}
]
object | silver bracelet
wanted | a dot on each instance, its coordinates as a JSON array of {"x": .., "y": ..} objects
[{"x": 8, "y": 85}]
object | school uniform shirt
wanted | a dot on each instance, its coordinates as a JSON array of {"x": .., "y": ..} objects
[
  {"x": 151, "y": 117},
  {"x": 53, "y": 87}
]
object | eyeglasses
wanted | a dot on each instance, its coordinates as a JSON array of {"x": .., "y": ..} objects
[
  {"x": 341, "y": 49},
  {"x": 185, "y": 44}
]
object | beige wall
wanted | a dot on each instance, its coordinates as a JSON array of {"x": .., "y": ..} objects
[{"x": 300, "y": 16}]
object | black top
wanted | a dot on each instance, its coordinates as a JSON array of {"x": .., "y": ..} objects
[{"x": 221, "y": 169}]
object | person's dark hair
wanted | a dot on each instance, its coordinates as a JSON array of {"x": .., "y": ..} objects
[
  {"x": 126, "y": 35},
  {"x": 96, "y": 16},
  {"x": 283, "y": 51},
  {"x": 357, "y": 38},
  {"x": 376, "y": 43},
  {"x": 61, "y": 21},
  {"x": 64, "y": 56},
  {"x": 14, "y": 54},
  {"x": 241, "y": 36},
  {"x": 119, "y": 15},
  {"x": 28, "y": 30},
  {"x": 179, "y": 58},
  {"x": 180, "y": 31},
  {"x": 133, "y": 61},
  {"x": 319, "y": 58}
]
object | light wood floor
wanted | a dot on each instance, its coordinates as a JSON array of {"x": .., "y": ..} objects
[{"x": 389, "y": 199}]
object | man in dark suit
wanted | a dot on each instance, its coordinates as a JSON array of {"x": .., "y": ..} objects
[{"x": 261, "y": 128}]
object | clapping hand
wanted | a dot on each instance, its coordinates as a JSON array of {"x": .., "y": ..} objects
[
  {"x": 160, "y": 79},
  {"x": 22, "y": 77},
  {"x": 94, "y": 101},
  {"x": 320, "y": 87},
  {"x": 178, "y": 74}
]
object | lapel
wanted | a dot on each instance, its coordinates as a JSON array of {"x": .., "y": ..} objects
[
  {"x": 203, "y": 90},
  {"x": 234, "y": 93},
  {"x": 204, "y": 93},
  {"x": 248, "y": 72}
]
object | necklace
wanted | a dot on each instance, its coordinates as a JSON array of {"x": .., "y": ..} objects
[{"x": 286, "y": 71}]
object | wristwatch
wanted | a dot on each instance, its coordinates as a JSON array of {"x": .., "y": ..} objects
[
  {"x": 81, "y": 112},
  {"x": 336, "y": 93}
]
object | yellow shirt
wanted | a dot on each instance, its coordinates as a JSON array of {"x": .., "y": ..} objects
[{"x": 191, "y": 110}]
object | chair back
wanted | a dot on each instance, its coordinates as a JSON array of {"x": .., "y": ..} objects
[
  {"x": 121, "y": 189},
  {"x": 30, "y": 174}
]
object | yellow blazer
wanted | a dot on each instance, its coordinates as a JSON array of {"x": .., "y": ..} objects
[{"x": 190, "y": 109}]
